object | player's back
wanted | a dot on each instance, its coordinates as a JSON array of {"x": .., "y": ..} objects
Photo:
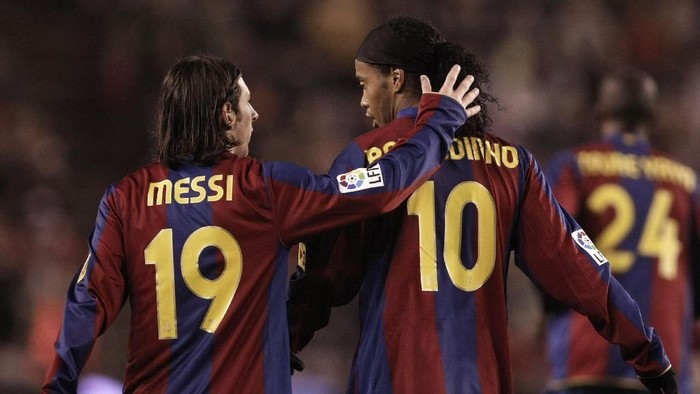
[
  {"x": 433, "y": 310},
  {"x": 206, "y": 278},
  {"x": 433, "y": 306},
  {"x": 639, "y": 206},
  {"x": 199, "y": 252}
]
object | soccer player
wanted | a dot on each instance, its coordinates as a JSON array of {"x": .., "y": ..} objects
[
  {"x": 433, "y": 310},
  {"x": 642, "y": 209},
  {"x": 197, "y": 242}
]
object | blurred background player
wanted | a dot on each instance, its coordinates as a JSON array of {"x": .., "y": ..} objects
[
  {"x": 197, "y": 240},
  {"x": 641, "y": 208},
  {"x": 433, "y": 273}
]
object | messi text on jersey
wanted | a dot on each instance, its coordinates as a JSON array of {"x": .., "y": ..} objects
[{"x": 190, "y": 190}]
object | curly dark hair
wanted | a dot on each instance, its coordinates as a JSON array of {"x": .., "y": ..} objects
[
  {"x": 445, "y": 54},
  {"x": 189, "y": 126}
]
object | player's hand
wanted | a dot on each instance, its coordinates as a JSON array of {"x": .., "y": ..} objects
[
  {"x": 461, "y": 93},
  {"x": 295, "y": 363},
  {"x": 663, "y": 384}
]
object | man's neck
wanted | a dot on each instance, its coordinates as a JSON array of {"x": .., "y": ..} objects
[{"x": 402, "y": 102}]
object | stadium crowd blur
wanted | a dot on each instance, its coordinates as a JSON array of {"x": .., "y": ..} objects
[{"x": 78, "y": 84}]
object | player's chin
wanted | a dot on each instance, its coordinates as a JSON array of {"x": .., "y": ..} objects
[{"x": 375, "y": 124}]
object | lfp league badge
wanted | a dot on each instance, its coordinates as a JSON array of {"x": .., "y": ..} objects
[
  {"x": 586, "y": 244},
  {"x": 361, "y": 179}
]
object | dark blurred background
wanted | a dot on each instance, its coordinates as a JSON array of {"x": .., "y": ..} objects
[{"x": 79, "y": 81}]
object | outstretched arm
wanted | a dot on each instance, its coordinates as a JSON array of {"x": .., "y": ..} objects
[{"x": 327, "y": 202}]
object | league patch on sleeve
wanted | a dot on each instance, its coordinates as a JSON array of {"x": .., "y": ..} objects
[
  {"x": 361, "y": 179},
  {"x": 586, "y": 244}
]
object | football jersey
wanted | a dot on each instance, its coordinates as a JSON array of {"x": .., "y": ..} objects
[
  {"x": 200, "y": 254},
  {"x": 433, "y": 310},
  {"x": 640, "y": 207}
]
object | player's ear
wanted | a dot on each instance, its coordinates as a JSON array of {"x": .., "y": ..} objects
[
  {"x": 228, "y": 115},
  {"x": 398, "y": 78}
]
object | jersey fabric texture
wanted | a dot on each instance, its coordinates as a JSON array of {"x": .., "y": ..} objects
[
  {"x": 641, "y": 209},
  {"x": 433, "y": 309},
  {"x": 200, "y": 253}
]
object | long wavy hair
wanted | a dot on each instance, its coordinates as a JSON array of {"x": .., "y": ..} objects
[{"x": 189, "y": 126}]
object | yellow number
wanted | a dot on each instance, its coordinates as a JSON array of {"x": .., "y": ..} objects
[
  {"x": 470, "y": 193},
  {"x": 220, "y": 290},
  {"x": 160, "y": 253},
  {"x": 615, "y": 197},
  {"x": 659, "y": 236},
  {"x": 422, "y": 204}
]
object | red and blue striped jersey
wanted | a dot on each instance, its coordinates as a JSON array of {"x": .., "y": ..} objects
[
  {"x": 433, "y": 310},
  {"x": 642, "y": 210},
  {"x": 200, "y": 254}
]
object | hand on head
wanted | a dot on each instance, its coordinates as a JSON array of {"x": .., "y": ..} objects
[{"x": 461, "y": 93}]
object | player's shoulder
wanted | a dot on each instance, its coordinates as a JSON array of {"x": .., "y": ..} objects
[
  {"x": 500, "y": 140},
  {"x": 131, "y": 184},
  {"x": 666, "y": 156},
  {"x": 154, "y": 170},
  {"x": 504, "y": 144},
  {"x": 599, "y": 145},
  {"x": 567, "y": 155},
  {"x": 155, "y": 174},
  {"x": 391, "y": 132}
]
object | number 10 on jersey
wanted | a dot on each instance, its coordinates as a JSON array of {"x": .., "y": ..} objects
[{"x": 422, "y": 204}]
